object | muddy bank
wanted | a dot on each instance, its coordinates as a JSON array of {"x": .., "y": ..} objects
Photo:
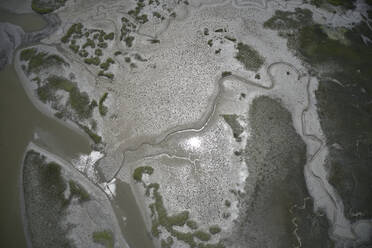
[{"x": 275, "y": 188}]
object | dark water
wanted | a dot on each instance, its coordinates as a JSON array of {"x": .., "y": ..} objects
[
  {"x": 29, "y": 21},
  {"x": 19, "y": 121},
  {"x": 133, "y": 227}
]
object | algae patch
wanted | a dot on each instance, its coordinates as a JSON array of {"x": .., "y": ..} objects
[{"x": 249, "y": 57}]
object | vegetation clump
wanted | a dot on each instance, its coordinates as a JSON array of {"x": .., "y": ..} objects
[
  {"x": 129, "y": 41},
  {"x": 233, "y": 122},
  {"x": 226, "y": 73},
  {"x": 98, "y": 52},
  {"x": 167, "y": 243},
  {"x": 249, "y": 57},
  {"x": 92, "y": 60},
  {"x": 102, "y": 44},
  {"x": 345, "y": 4},
  {"x": 39, "y": 60},
  {"x": 283, "y": 20},
  {"x": 83, "y": 53},
  {"x": 138, "y": 57},
  {"x": 192, "y": 224},
  {"x": 75, "y": 28},
  {"x": 27, "y": 54},
  {"x": 126, "y": 29},
  {"x": 105, "y": 65},
  {"x": 203, "y": 236},
  {"x": 154, "y": 41},
  {"x": 105, "y": 238},
  {"x": 109, "y": 36},
  {"x": 89, "y": 43},
  {"x": 230, "y": 38},
  {"x": 74, "y": 48},
  {"x": 76, "y": 190},
  {"x": 107, "y": 75},
  {"x": 139, "y": 171},
  {"x": 214, "y": 229},
  {"x": 135, "y": 13},
  {"x": 102, "y": 108},
  {"x": 46, "y": 7},
  {"x": 95, "y": 137}
]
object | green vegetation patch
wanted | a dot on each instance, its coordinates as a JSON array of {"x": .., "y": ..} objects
[
  {"x": 109, "y": 36},
  {"x": 27, "y": 54},
  {"x": 139, "y": 171},
  {"x": 40, "y": 60},
  {"x": 136, "y": 13},
  {"x": 230, "y": 38},
  {"x": 89, "y": 43},
  {"x": 105, "y": 238},
  {"x": 95, "y": 137},
  {"x": 167, "y": 243},
  {"x": 117, "y": 53},
  {"x": 345, "y": 4},
  {"x": 249, "y": 57},
  {"x": 92, "y": 61},
  {"x": 76, "y": 190},
  {"x": 192, "y": 224},
  {"x": 79, "y": 101},
  {"x": 237, "y": 129},
  {"x": 75, "y": 28},
  {"x": 226, "y": 73},
  {"x": 283, "y": 20},
  {"x": 129, "y": 41},
  {"x": 127, "y": 28},
  {"x": 107, "y": 75},
  {"x": 98, "y": 52},
  {"x": 45, "y": 7},
  {"x": 105, "y": 65},
  {"x": 203, "y": 236},
  {"x": 102, "y": 108},
  {"x": 214, "y": 229}
]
